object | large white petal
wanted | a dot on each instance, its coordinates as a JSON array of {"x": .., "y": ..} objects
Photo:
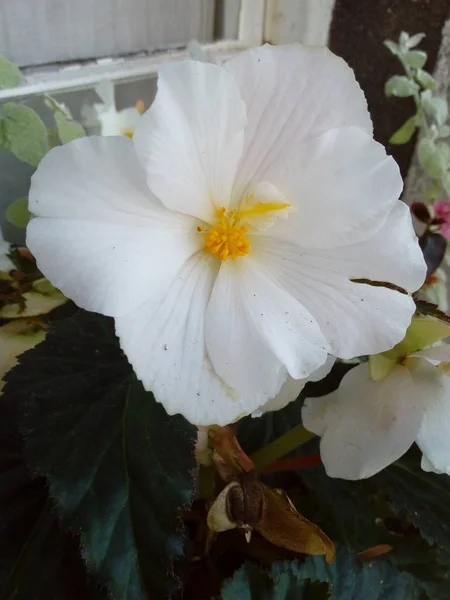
[
  {"x": 191, "y": 138},
  {"x": 292, "y": 93},
  {"x": 95, "y": 179},
  {"x": 101, "y": 237},
  {"x": 254, "y": 327},
  {"x": 366, "y": 425},
  {"x": 164, "y": 340},
  {"x": 392, "y": 255},
  {"x": 355, "y": 318},
  {"x": 342, "y": 186},
  {"x": 433, "y": 389},
  {"x": 291, "y": 388}
]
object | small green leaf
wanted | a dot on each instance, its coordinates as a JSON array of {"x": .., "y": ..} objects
[
  {"x": 10, "y": 75},
  {"x": 68, "y": 130},
  {"x": 400, "y": 86},
  {"x": 435, "y": 107},
  {"x": 415, "y": 58},
  {"x": 426, "y": 80},
  {"x": 392, "y": 47},
  {"x": 17, "y": 212},
  {"x": 415, "y": 40},
  {"x": 24, "y": 133},
  {"x": 404, "y": 133},
  {"x": 432, "y": 158},
  {"x": 404, "y": 40},
  {"x": 118, "y": 466},
  {"x": 56, "y": 106}
]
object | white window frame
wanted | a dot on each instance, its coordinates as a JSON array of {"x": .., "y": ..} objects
[
  {"x": 259, "y": 21},
  {"x": 87, "y": 74}
]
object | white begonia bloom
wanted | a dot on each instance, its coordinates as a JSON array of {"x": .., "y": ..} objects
[
  {"x": 368, "y": 424},
  {"x": 111, "y": 121},
  {"x": 224, "y": 237}
]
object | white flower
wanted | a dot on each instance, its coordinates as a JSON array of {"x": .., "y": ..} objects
[
  {"x": 224, "y": 237},
  {"x": 371, "y": 420},
  {"x": 111, "y": 120}
]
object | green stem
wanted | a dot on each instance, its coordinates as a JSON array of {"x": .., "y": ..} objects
[{"x": 283, "y": 445}]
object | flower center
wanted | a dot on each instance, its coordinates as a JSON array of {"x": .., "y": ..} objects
[{"x": 228, "y": 237}]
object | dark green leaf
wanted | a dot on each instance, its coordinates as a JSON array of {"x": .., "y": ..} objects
[
  {"x": 118, "y": 466},
  {"x": 351, "y": 579},
  {"x": 23, "y": 133},
  {"x": 348, "y": 579},
  {"x": 344, "y": 509},
  {"x": 420, "y": 498},
  {"x": 424, "y": 563},
  {"x": 38, "y": 561},
  {"x": 251, "y": 583}
]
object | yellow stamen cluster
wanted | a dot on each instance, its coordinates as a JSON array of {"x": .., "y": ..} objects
[{"x": 227, "y": 239}]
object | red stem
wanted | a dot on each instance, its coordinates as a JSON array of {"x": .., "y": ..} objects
[{"x": 293, "y": 464}]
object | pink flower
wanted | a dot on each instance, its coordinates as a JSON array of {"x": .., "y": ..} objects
[{"x": 442, "y": 210}]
